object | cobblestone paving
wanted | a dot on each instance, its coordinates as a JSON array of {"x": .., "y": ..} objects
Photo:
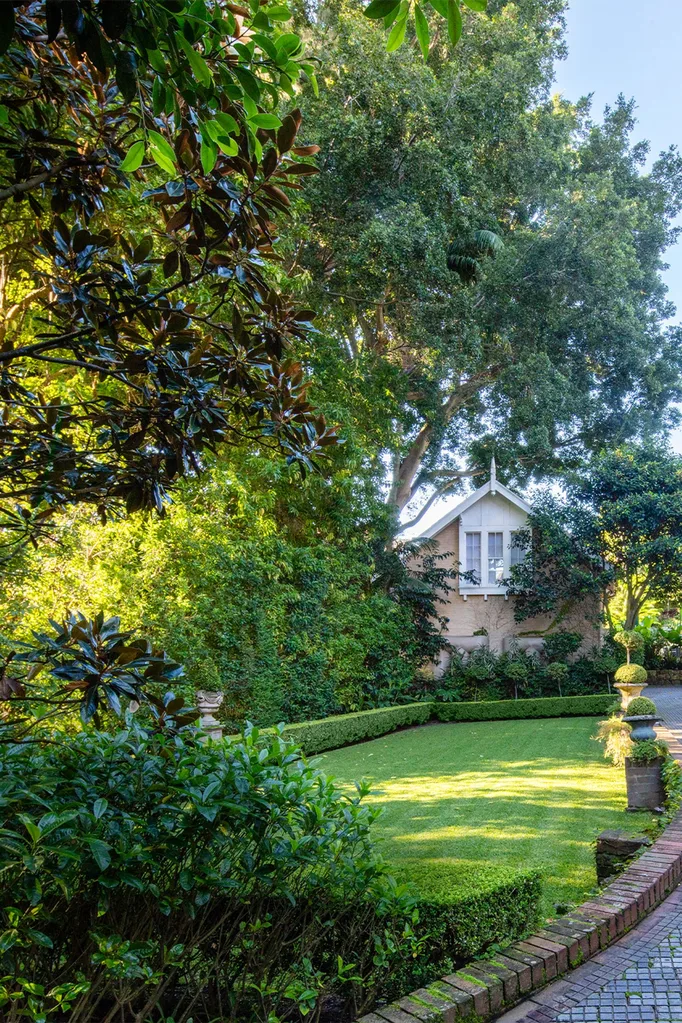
[{"x": 638, "y": 979}]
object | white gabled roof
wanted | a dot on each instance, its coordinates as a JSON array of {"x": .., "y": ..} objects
[{"x": 493, "y": 486}]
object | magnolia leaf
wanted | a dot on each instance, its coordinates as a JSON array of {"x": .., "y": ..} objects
[
  {"x": 265, "y": 121},
  {"x": 454, "y": 21},
  {"x": 380, "y": 8},
  {"x": 397, "y": 34},
  {"x": 476, "y": 5},
  {"x": 134, "y": 157},
  {"x": 202, "y": 71},
  {"x": 422, "y": 28},
  {"x": 208, "y": 155},
  {"x": 162, "y": 153}
]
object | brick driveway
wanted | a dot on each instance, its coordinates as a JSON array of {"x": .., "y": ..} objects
[{"x": 638, "y": 979}]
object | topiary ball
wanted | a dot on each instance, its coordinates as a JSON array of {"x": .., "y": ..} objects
[
  {"x": 641, "y": 705},
  {"x": 631, "y": 674}
]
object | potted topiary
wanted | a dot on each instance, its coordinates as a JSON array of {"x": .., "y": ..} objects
[
  {"x": 631, "y": 679},
  {"x": 641, "y": 716}
]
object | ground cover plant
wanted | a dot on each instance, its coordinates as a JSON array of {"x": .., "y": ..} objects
[{"x": 464, "y": 800}]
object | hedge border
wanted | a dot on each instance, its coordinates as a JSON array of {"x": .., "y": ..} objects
[{"x": 347, "y": 729}]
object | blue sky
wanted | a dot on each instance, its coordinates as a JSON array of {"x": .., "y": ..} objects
[{"x": 632, "y": 47}]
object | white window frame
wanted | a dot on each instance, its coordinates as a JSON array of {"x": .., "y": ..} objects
[{"x": 484, "y": 586}]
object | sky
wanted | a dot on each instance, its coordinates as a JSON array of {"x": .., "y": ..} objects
[{"x": 632, "y": 47}]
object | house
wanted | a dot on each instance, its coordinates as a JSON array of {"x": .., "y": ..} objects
[{"x": 477, "y": 535}]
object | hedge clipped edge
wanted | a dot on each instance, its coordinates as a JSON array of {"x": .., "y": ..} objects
[
  {"x": 346, "y": 729},
  {"x": 543, "y": 707}
]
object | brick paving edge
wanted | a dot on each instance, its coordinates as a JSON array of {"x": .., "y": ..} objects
[{"x": 484, "y": 989}]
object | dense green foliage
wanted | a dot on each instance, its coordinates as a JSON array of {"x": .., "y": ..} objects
[
  {"x": 646, "y": 751},
  {"x": 502, "y": 710},
  {"x": 464, "y": 915},
  {"x": 619, "y": 521},
  {"x": 486, "y": 675},
  {"x": 146, "y": 870},
  {"x": 284, "y": 614},
  {"x": 346, "y": 729}
]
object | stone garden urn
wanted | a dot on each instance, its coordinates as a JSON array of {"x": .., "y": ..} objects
[
  {"x": 642, "y": 726},
  {"x": 208, "y": 702}
]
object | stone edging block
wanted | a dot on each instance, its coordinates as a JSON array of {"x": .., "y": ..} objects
[{"x": 483, "y": 989}]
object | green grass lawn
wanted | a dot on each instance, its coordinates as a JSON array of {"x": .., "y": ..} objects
[{"x": 459, "y": 799}]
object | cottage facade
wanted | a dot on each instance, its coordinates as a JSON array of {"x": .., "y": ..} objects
[{"x": 477, "y": 534}]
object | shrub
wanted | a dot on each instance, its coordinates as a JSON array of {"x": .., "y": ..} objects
[
  {"x": 647, "y": 750},
  {"x": 615, "y": 734},
  {"x": 345, "y": 729},
  {"x": 631, "y": 674},
  {"x": 641, "y": 705},
  {"x": 496, "y": 907},
  {"x": 150, "y": 875},
  {"x": 550, "y": 707}
]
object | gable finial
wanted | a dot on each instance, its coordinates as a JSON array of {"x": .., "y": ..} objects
[{"x": 493, "y": 473}]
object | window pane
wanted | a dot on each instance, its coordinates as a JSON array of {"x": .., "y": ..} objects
[
  {"x": 517, "y": 554},
  {"x": 473, "y": 554},
  {"x": 495, "y": 558}
]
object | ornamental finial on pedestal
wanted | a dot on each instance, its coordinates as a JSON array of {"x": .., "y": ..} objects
[{"x": 493, "y": 474}]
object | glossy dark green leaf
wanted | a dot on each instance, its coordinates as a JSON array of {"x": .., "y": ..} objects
[
  {"x": 126, "y": 74},
  {"x": 380, "y": 8}
]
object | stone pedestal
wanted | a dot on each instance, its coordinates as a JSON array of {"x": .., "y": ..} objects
[
  {"x": 628, "y": 691},
  {"x": 208, "y": 703},
  {"x": 644, "y": 785},
  {"x": 613, "y": 851}
]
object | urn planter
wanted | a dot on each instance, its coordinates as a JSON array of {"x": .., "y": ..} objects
[
  {"x": 628, "y": 691},
  {"x": 644, "y": 785},
  {"x": 642, "y": 726}
]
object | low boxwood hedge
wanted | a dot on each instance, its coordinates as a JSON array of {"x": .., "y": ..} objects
[
  {"x": 345, "y": 729},
  {"x": 546, "y": 707},
  {"x": 461, "y": 916}
]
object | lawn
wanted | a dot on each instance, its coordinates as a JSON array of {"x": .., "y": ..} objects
[{"x": 458, "y": 799}]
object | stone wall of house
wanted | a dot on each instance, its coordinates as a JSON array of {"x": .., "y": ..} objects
[{"x": 496, "y": 613}]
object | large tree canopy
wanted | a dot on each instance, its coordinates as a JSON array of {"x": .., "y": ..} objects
[{"x": 487, "y": 258}]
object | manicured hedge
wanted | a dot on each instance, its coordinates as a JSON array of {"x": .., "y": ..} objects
[
  {"x": 345, "y": 729},
  {"x": 460, "y": 917},
  {"x": 547, "y": 707}
]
